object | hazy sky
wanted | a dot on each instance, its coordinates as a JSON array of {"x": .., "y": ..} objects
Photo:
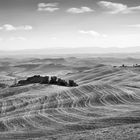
[{"x": 30, "y": 24}]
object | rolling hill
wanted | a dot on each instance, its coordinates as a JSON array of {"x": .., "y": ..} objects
[{"x": 105, "y": 105}]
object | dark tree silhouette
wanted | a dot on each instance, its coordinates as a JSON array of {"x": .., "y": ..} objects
[
  {"x": 53, "y": 80},
  {"x": 45, "y": 80},
  {"x": 62, "y": 82},
  {"x": 23, "y": 82},
  {"x": 35, "y": 79},
  {"x": 2, "y": 85},
  {"x": 72, "y": 83}
]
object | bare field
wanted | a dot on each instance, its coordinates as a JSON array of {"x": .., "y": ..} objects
[{"x": 105, "y": 105}]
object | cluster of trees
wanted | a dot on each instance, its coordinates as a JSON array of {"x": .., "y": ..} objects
[
  {"x": 2, "y": 85},
  {"x": 136, "y": 65},
  {"x": 46, "y": 80}
]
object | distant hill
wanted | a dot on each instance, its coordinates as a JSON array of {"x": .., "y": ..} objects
[{"x": 70, "y": 52}]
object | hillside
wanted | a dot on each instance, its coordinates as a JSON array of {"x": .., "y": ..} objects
[{"x": 105, "y": 105}]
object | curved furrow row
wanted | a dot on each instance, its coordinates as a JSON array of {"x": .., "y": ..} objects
[
  {"x": 111, "y": 98},
  {"x": 18, "y": 124},
  {"x": 40, "y": 121},
  {"x": 84, "y": 103},
  {"x": 126, "y": 97},
  {"x": 59, "y": 114}
]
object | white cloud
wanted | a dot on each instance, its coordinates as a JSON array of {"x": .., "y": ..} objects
[
  {"x": 26, "y": 27},
  {"x": 93, "y": 33},
  {"x": 79, "y": 10},
  {"x": 135, "y": 25},
  {"x": 19, "y": 38},
  {"x": 9, "y": 27},
  {"x": 50, "y": 7},
  {"x": 1, "y": 39},
  {"x": 47, "y": 4},
  {"x": 116, "y": 8}
]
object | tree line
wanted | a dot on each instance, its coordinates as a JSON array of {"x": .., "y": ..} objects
[{"x": 53, "y": 80}]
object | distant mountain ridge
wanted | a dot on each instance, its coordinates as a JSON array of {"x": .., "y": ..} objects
[{"x": 97, "y": 51}]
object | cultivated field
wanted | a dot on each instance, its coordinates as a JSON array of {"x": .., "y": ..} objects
[{"x": 105, "y": 105}]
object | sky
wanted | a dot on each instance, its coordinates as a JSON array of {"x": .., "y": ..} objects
[{"x": 36, "y": 24}]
